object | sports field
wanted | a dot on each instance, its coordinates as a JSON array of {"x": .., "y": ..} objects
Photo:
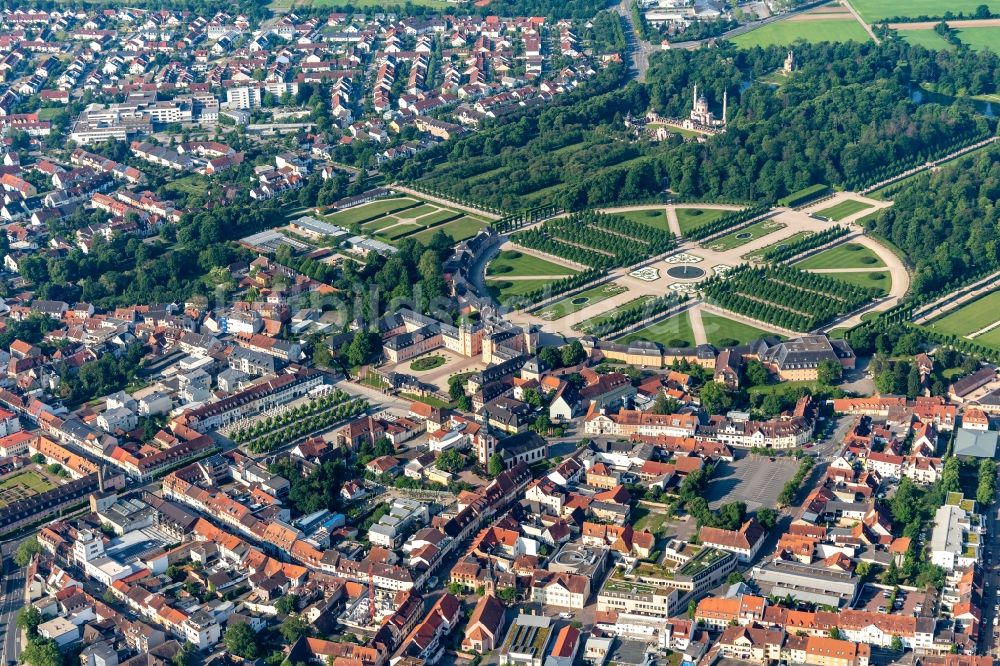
[
  {"x": 577, "y": 302},
  {"x": 396, "y": 218},
  {"x": 845, "y": 208},
  {"x": 783, "y": 33},
  {"x": 875, "y": 10},
  {"x": 745, "y": 235},
  {"x": 515, "y": 263},
  {"x": 981, "y": 39},
  {"x": 692, "y": 218},
  {"x": 22, "y": 485},
  {"x": 970, "y": 317},
  {"x": 847, "y": 255},
  {"x": 673, "y": 332},
  {"x": 724, "y": 332}
]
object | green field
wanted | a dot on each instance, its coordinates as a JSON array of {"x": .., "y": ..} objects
[
  {"x": 417, "y": 211},
  {"x": 783, "y": 33},
  {"x": 590, "y": 324},
  {"x": 745, "y": 235},
  {"x": 358, "y": 4},
  {"x": 464, "y": 227},
  {"x": 757, "y": 254},
  {"x": 516, "y": 263},
  {"x": 925, "y": 38},
  {"x": 691, "y": 218},
  {"x": 989, "y": 338},
  {"x": 847, "y": 255},
  {"x": 577, "y": 302},
  {"x": 365, "y": 211},
  {"x": 651, "y": 218},
  {"x": 981, "y": 39},
  {"x": 22, "y": 485},
  {"x": 843, "y": 209},
  {"x": 512, "y": 288},
  {"x": 722, "y": 331},
  {"x": 874, "y": 10},
  {"x": 673, "y": 332},
  {"x": 874, "y": 279},
  {"x": 970, "y": 317}
]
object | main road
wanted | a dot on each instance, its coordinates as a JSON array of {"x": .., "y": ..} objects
[{"x": 11, "y": 602}]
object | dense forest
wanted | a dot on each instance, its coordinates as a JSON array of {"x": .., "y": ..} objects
[
  {"x": 947, "y": 223},
  {"x": 844, "y": 117}
]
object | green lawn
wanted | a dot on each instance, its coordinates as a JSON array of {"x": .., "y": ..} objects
[
  {"x": 440, "y": 215},
  {"x": 505, "y": 289},
  {"x": 843, "y": 209},
  {"x": 577, "y": 302},
  {"x": 874, "y": 10},
  {"x": 459, "y": 229},
  {"x": 990, "y": 338},
  {"x": 417, "y": 211},
  {"x": 925, "y": 38},
  {"x": 590, "y": 324},
  {"x": 516, "y": 263},
  {"x": 398, "y": 231},
  {"x": 673, "y": 332},
  {"x": 757, "y": 254},
  {"x": 722, "y": 331},
  {"x": 652, "y": 521},
  {"x": 49, "y": 112},
  {"x": 370, "y": 210},
  {"x": 651, "y": 218},
  {"x": 22, "y": 485},
  {"x": 874, "y": 279},
  {"x": 745, "y": 235},
  {"x": 981, "y": 39},
  {"x": 691, "y": 218},
  {"x": 379, "y": 224},
  {"x": 846, "y": 255},
  {"x": 970, "y": 317},
  {"x": 783, "y": 33}
]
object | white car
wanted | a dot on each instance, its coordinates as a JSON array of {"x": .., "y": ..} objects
[{"x": 566, "y": 616}]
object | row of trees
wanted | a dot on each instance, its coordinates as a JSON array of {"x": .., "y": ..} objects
[
  {"x": 785, "y": 296},
  {"x": 554, "y": 288},
  {"x": 785, "y": 251},
  {"x": 727, "y": 221},
  {"x": 307, "y": 425},
  {"x": 608, "y": 324},
  {"x": 272, "y": 423}
]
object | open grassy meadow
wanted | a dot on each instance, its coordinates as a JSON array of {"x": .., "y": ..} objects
[
  {"x": 875, "y": 10},
  {"x": 970, "y": 317},
  {"x": 515, "y": 263},
  {"x": 722, "y": 331},
  {"x": 981, "y": 39},
  {"x": 692, "y": 218},
  {"x": 783, "y": 33}
]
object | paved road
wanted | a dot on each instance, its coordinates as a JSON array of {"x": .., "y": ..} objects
[
  {"x": 864, "y": 24},
  {"x": 11, "y": 601},
  {"x": 638, "y": 48}
]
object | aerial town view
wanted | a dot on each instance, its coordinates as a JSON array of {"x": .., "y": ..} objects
[{"x": 499, "y": 332}]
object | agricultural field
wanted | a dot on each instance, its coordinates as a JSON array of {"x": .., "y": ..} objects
[
  {"x": 970, "y": 317},
  {"x": 673, "y": 332},
  {"x": 845, "y": 208},
  {"x": 784, "y": 33},
  {"x": 22, "y": 485},
  {"x": 981, "y": 39},
  {"x": 725, "y": 332},
  {"x": 395, "y": 218},
  {"x": 786, "y": 297},
  {"x": 847, "y": 255},
  {"x": 511, "y": 263},
  {"x": 586, "y": 298},
  {"x": 873, "y": 11},
  {"x": 925, "y": 38},
  {"x": 690, "y": 219},
  {"x": 745, "y": 235}
]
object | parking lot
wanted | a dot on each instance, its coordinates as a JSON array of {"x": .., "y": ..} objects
[
  {"x": 755, "y": 480},
  {"x": 877, "y": 599}
]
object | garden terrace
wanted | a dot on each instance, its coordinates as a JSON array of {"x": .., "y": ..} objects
[
  {"x": 724, "y": 222},
  {"x": 786, "y": 297},
  {"x": 788, "y": 250}
]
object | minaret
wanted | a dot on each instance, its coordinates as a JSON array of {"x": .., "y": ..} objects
[
  {"x": 725, "y": 102},
  {"x": 694, "y": 98}
]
